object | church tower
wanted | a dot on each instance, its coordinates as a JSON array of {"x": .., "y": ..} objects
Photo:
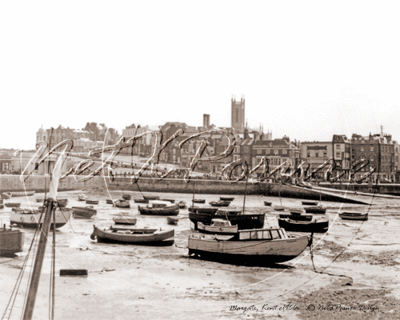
[{"x": 237, "y": 114}]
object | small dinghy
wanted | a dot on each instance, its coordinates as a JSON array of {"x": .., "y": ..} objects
[
  {"x": 62, "y": 203},
  {"x": 149, "y": 198},
  {"x": 12, "y": 204},
  {"x": 226, "y": 198},
  {"x": 109, "y": 201},
  {"x": 279, "y": 208},
  {"x": 354, "y": 216},
  {"x": 219, "y": 203},
  {"x": 126, "y": 196},
  {"x": 82, "y": 197},
  {"x": 182, "y": 205},
  {"x": 140, "y": 201},
  {"x": 309, "y": 203},
  {"x": 172, "y": 220},
  {"x": 160, "y": 208},
  {"x": 169, "y": 200},
  {"x": 315, "y": 210},
  {"x": 39, "y": 200},
  {"x": 130, "y": 235},
  {"x": 314, "y": 225},
  {"x": 83, "y": 212},
  {"x": 267, "y": 203},
  {"x": 92, "y": 201},
  {"x": 22, "y": 194},
  {"x": 123, "y": 220},
  {"x": 11, "y": 241},
  {"x": 122, "y": 204},
  {"x": 302, "y": 217},
  {"x": 199, "y": 200},
  {"x": 6, "y": 195}
]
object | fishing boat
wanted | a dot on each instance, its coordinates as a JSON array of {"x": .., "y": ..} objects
[
  {"x": 236, "y": 217},
  {"x": 309, "y": 203},
  {"x": 11, "y": 241},
  {"x": 122, "y": 204},
  {"x": 182, "y": 205},
  {"x": 124, "y": 220},
  {"x": 220, "y": 203},
  {"x": 129, "y": 235},
  {"x": 314, "y": 225},
  {"x": 140, "y": 201},
  {"x": 227, "y": 198},
  {"x": 22, "y": 193},
  {"x": 315, "y": 210},
  {"x": 83, "y": 212},
  {"x": 279, "y": 208},
  {"x": 6, "y": 195},
  {"x": 353, "y": 216},
  {"x": 267, "y": 203},
  {"x": 172, "y": 220},
  {"x": 30, "y": 218},
  {"x": 12, "y": 204},
  {"x": 82, "y": 197},
  {"x": 92, "y": 201},
  {"x": 264, "y": 245},
  {"x": 159, "y": 208},
  {"x": 199, "y": 200},
  {"x": 126, "y": 196},
  {"x": 218, "y": 226}
]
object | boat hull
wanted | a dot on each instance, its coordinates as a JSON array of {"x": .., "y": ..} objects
[
  {"x": 243, "y": 221},
  {"x": 167, "y": 211},
  {"x": 83, "y": 213},
  {"x": 11, "y": 241},
  {"x": 315, "y": 210},
  {"x": 127, "y": 221},
  {"x": 349, "y": 216},
  {"x": 22, "y": 194},
  {"x": 273, "y": 251},
  {"x": 303, "y": 226},
  {"x": 31, "y": 220},
  {"x": 158, "y": 238},
  {"x": 227, "y": 230}
]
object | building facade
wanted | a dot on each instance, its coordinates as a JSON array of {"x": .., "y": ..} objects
[{"x": 238, "y": 114}]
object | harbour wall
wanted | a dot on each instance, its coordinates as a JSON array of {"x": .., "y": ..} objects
[{"x": 382, "y": 188}]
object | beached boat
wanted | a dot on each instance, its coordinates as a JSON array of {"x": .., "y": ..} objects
[
  {"x": 1, "y": 206},
  {"x": 279, "y": 208},
  {"x": 227, "y": 198},
  {"x": 82, "y": 197},
  {"x": 39, "y": 200},
  {"x": 236, "y": 217},
  {"x": 315, "y": 210},
  {"x": 169, "y": 200},
  {"x": 122, "y": 204},
  {"x": 6, "y": 195},
  {"x": 199, "y": 200},
  {"x": 182, "y": 205},
  {"x": 309, "y": 203},
  {"x": 267, "y": 203},
  {"x": 203, "y": 209},
  {"x": 220, "y": 203},
  {"x": 172, "y": 220},
  {"x": 314, "y": 225},
  {"x": 109, "y": 201},
  {"x": 12, "y": 204},
  {"x": 123, "y": 220},
  {"x": 149, "y": 198},
  {"x": 353, "y": 216},
  {"x": 30, "y": 218},
  {"x": 218, "y": 226},
  {"x": 159, "y": 208},
  {"x": 92, "y": 201},
  {"x": 140, "y": 201},
  {"x": 264, "y": 245},
  {"x": 130, "y": 235},
  {"x": 303, "y": 217},
  {"x": 295, "y": 210},
  {"x": 22, "y": 194},
  {"x": 83, "y": 212},
  {"x": 11, "y": 241},
  {"x": 126, "y": 196},
  {"x": 62, "y": 203}
]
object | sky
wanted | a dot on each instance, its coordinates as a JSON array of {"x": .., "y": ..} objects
[{"x": 307, "y": 69}]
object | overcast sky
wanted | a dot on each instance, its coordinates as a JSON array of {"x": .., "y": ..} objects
[{"x": 308, "y": 69}]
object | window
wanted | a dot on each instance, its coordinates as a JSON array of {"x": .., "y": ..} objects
[
  {"x": 308, "y": 154},
  {"x": 259, "y": 151},
  {"x": 337, "y": 154},
  {"x": 362, "y": 149},
  {"x": 316, "y": 154},
  {"x": 275, "y": 234},
  {"x": 362, "y": 141},
  {"x": 338, "y": 146},
  {"x": 325, "y": 154},
  {"x": 266, "y": 235},
  {"x": 371, "y": 148},
  {"x": 284, "y": 151},
  {"x": 236, "y": 157}
]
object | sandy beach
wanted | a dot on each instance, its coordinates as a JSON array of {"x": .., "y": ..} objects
[{"x": 352, "y": 273}]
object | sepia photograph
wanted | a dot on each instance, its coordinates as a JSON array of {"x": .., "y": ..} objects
[{"x": 199, "y": 160}]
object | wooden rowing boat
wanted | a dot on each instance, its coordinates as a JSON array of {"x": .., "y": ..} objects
[
  {"x": 149, "y": 198},
  {"x": 218, "y": 226},
  {"x": 199, "y": 200},
  {"x": 83, "y": 212},
  {"x": 211, "y": 210},
  {"x": 227, "y": 198},
  {"x": 220, "y": 203},
  {"x": 62, "y": 203},
  {"x": 140, "y": 200},
  {"x": 267, "y": 203},
  {"x": 354, "y": 216},
  {"x": 122, "y": 204},
  {"x": 92, "y": 201},
  {"x": 314, "y": 225},
  {"x": 82, "y": 197},
  {"x": 172, "y": 220},
  {"x": 109, "y": 201},
  {"x": 134, "y": 236},
  {"x": 30, "y": 218},
  {"x": 22, "y": 193},
  {"x": 126, "y": 196},
  {"x": 169, "y": 200},
  {"x": 264, "y": 245},
  {"x": 309, "y": 203},
  {"x": 315, "y": 210},
  {"x": 11, "y": 241},
  {"x": 159, "y": 208},
  {"x": 182, "y": 205},
  {"x": 6, "y": 195},
  {"x": 279, "y": 208},
  {"x": 123, "y": 220},
  {"x": 12, "y": 204},
  {"x": 303, "y": 217}
]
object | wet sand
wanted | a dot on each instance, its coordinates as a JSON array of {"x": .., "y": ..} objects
[{"x": 356, "y": 267}]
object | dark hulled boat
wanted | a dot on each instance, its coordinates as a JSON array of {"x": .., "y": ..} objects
[{"x": 304, "y": 226}]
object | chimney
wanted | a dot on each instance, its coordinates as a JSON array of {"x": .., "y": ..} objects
[{"x": 206, "y": 120}]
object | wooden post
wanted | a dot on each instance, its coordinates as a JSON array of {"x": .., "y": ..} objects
[{"x": 37, "y": 268}]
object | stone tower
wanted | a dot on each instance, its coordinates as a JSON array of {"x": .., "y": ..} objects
[{"x": 237, "y": 114}]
